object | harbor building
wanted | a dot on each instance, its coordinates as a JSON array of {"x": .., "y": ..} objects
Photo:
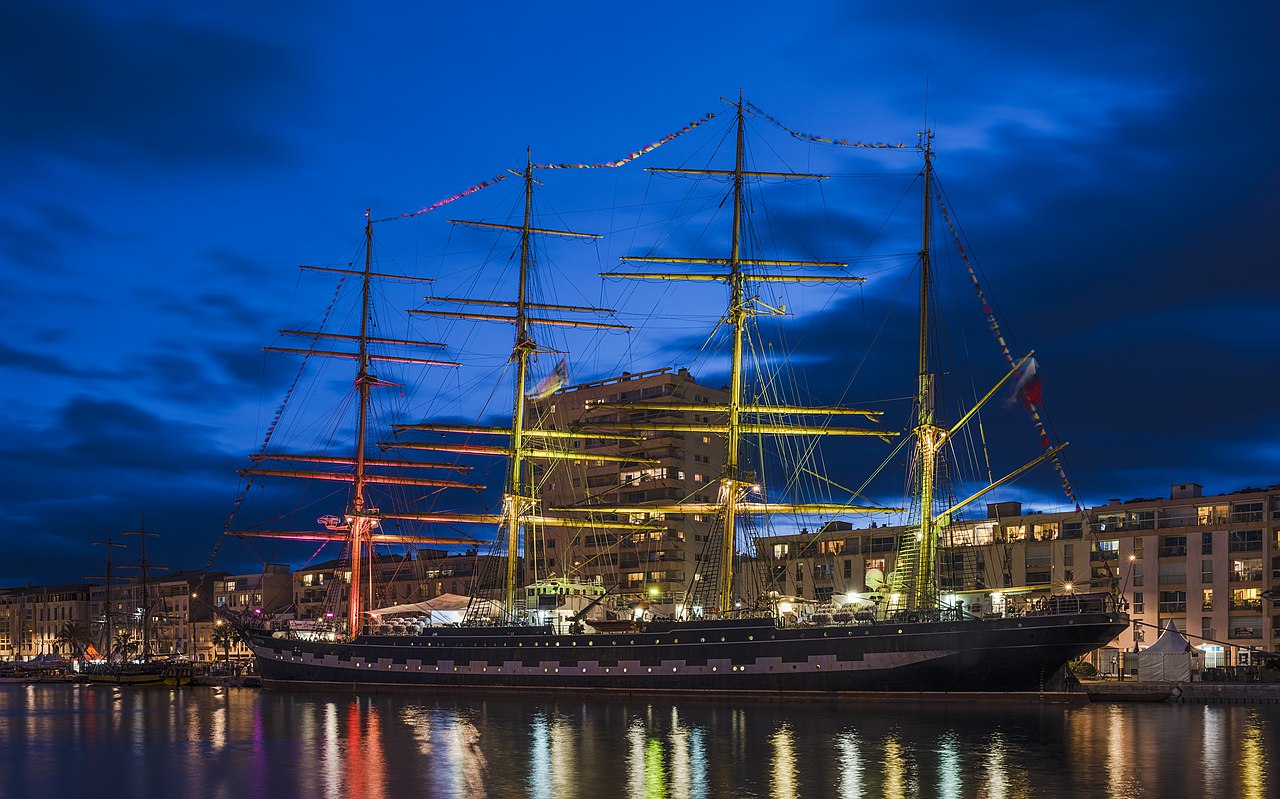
[
  {"x": 33, "y": 620},
  {"x": 654, "y": 467},
  {"x": 1211, "y": 564}
]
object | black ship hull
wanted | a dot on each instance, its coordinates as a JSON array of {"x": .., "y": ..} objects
[{"x": 1010, "y": 654}]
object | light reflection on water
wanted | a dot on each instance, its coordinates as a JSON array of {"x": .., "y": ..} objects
[{"x": 243, "y": 744}]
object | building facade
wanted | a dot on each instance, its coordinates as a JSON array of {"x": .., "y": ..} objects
[
  {"x": 1209, "y": 564},
  {"x": 656, "y": 468}
]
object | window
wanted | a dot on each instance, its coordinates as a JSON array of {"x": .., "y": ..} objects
[
  {"x": 1015, "y": 532},
  {"x": 1244, "y": 541},
  {"x": 1108, "y": 550},
  {"x": 1068, "y": 555},
  {"x": 1137, "y": 574},
  {"x": 1246, "y": 511},
  {"x": 799, "y": 572},
  {"x": 1173, "y": 545},
  {"x": 781, "y": 550},
  {"x": 1206, "y": 602},
  {"x": 1044, "y": 532},
  {"x": 1245, "y": 627},
  {"x": 1206, "y": 571},
  {"x": 1039, "y": 557},
  {"x": 1173, "y": 601},
  {"x": 1138, "y": 605},
  {"x": 848, "y": 569},
  {"x": 881, "y": 543},
  {"x": 1211, "y": 514},
  {"x": 1246, "y": 599},
  {"x": 831, "y": 547},
  {"x": 1173, "y": 573},
  {"x": 1206, "y": 544},
  {"x": 1245, "y": 570}
]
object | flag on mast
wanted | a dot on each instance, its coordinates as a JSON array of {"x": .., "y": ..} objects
[
  {"x": 1029, "y": 388},
  {"x": 552, "y": 382}
]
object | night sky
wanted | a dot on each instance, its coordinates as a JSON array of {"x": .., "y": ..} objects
[{"x": 1114, "y": 167}]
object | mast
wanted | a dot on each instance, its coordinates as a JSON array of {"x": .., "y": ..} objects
[
  {"x": 524, "y": 443},
  {"x": 736, "y": 317},
  {"x": 358, "y": 523},
  {"x": 358, "y": 529},
  {"x": 514, "y": 505},
  {"x": 928, "y": 434},
  {"x": 736, "y": 417},
  {"x": 108, "y": 613},
  {"x": 142, "y": 532}
]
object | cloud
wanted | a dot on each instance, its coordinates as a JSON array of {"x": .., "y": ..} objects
[{"x": 113, "y": 88}]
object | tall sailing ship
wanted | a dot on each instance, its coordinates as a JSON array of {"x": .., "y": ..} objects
[{"x": 724, "y": 632}]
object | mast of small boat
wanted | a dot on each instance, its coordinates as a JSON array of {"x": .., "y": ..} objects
[
  {"x": 144, "y": 566},
  {"x": 108, "y": 613}
]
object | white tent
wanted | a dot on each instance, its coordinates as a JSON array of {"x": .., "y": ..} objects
[
  {"x": 1170, "y": 659},
  {"x": 443, "y": 609}
]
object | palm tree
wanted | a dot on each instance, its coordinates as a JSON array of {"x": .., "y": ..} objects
[
  {"x": 75, "y": 635},
  {"x": 224, "y": 635},
  {"x": 125, "y": 644}
]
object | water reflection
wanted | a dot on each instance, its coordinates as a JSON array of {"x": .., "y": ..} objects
[
  {"x": 784, "y": 764},
  {"x": 242, "y": 744},
  {"x": 949, "y": 779},
  {"x": 850, "y": 760},
  {"x": 1253, "y": 764}
]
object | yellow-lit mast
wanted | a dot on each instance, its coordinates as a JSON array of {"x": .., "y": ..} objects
[
  {"x": 523, "y": 444},
  {"x": 740, "y": 308}
]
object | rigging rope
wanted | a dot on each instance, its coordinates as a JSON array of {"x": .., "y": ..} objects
[
  {"x": 271, "y": 428},
  {"x": 994, "y": 325}
]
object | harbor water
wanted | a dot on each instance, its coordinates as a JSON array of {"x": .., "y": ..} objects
[{"x": 248, "y": 744}]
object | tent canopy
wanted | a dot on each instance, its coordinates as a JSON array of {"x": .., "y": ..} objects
[
  {"x": 1170, "y": 641},
  {"x": 443, "y": 603}
]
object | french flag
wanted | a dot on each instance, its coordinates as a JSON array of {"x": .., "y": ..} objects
[{"x": 1028, "y": 389}]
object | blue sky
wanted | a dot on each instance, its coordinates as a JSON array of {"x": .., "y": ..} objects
[{"x": 1113, "y": 166}]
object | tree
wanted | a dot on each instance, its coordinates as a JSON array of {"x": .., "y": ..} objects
[
  {"x": 125, "y": 645},
  {"x": 224, "y": 635},
  {"x": 75, "y": 635}
]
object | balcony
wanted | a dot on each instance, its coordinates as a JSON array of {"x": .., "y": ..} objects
[
  {"x": 1245, "y": 632},
  {"x": 1243, "y": 517},
  {"x": 1173, "y": 551},
  {"x": 1254, "y": 605},
  {"x": 1173, "y": 607},
  {"x": 1246, "y": 576}
]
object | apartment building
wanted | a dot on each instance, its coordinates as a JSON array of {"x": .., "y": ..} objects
[
  {"x": 33, "y": 618},
  {"x": 1210, "y": 564},
  {"x": 653, "y": 467}
]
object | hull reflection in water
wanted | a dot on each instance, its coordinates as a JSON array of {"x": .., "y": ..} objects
[{"x": 244, "y": 744}]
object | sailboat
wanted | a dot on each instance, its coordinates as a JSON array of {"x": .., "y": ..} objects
[
  {"x": 129, "y": 643},
  {"x": 721, "y": 637}
]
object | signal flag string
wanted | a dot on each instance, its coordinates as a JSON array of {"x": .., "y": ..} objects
[{"x": 994, "y": 324}]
